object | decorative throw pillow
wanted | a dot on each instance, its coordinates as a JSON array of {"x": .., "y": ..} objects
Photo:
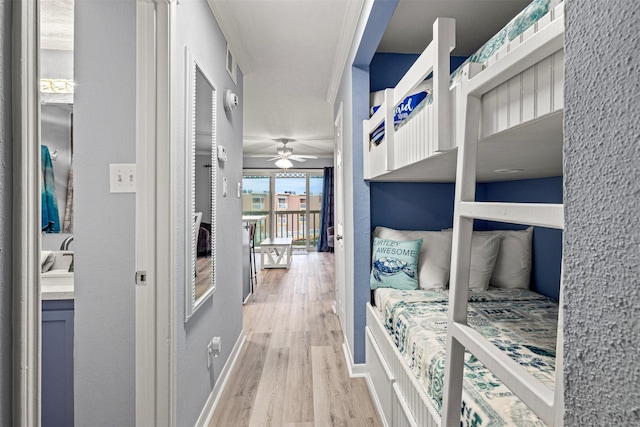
[
  {"x": 434, "y": 261},
  {"x": 394, "y": 264}
]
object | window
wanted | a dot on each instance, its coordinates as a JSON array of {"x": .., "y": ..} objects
[
  {"x": 282, "y": 202},
  {"x": 303, "y": 203},
  {"x": 257, "y": 203}
]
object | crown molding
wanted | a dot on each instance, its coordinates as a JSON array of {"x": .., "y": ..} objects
[{"x": 349, "y": 26}]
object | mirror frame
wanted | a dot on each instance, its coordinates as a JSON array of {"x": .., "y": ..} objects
[{"x": 191, "y": 237}]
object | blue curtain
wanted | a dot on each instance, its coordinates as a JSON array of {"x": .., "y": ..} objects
[
  {"x": 50, "y": 215},
  {"x": 326, "y": 214}
]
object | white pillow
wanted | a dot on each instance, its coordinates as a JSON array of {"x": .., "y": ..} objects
[
  {"x": 434, "y": 261},
  {"x": 484, "y": 252},
  {"x": 513, "y": 266}
]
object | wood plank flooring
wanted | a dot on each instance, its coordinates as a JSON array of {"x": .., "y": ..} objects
[{"x": 291, "y": 371}]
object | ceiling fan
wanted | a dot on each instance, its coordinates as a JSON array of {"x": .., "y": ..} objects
[{"x": 285, "y": 155}]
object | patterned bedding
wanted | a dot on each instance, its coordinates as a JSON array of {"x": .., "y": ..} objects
[
  {"x": 518, "y": 25},
  {"x": 519, "y": 322}
]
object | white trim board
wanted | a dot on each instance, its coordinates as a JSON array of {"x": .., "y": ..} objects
[
  {"x": 356, "y": 370},
  {"x": 212, "y": 401}
]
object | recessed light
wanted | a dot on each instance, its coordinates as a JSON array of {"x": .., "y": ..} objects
[{"x": 514, "y": 170}]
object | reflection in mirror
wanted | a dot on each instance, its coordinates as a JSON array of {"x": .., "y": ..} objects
[
  {"x": 201, "y": 179},
  {"x": 57, "y": 176}
]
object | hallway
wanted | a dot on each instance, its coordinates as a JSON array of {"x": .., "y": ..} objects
[{"x": 291, "y": 371}]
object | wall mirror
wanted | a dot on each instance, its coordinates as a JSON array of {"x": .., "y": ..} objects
[{"x": 201, "y": 171}]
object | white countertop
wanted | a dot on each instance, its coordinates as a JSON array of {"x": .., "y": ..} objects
[
  {"x": 253, "y": 218},
  {"x": 56, "y": 292}
]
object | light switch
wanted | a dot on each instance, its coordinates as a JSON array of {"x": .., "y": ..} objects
[{"x": 122, "y": 177}]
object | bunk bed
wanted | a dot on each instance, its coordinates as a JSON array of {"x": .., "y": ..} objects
[
  {"x": 520, "y": 77},
  {"x": 505, "y": 111}
]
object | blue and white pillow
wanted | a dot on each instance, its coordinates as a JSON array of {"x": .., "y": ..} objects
[{"x": 395, "y": 264}]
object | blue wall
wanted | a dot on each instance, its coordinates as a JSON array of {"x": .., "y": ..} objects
[
  {"x": 429, "y": 206},
  {"x": 386, "y": 69}
]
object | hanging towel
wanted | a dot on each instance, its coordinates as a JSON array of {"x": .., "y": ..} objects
[
  {"x": 68, "y": 210},
  {"x": 50, "y": 216}
]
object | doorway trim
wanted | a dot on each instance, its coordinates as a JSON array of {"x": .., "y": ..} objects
[
  {"x": 156, "y": 214},
  {"x": 26, "y": 213}
]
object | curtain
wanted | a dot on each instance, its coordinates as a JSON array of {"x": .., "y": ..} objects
[{"x": 326, "y": 214}]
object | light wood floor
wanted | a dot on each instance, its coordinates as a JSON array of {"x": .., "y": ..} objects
[{"x": 291, "y": 371}]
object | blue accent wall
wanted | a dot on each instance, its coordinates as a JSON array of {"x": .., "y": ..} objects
[
  {"x": 386, "y": 69},
  {"x": 429, "y": 206},
  {"x": 412, "y": 206}
]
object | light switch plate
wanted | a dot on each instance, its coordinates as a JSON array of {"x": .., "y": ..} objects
[
  {"x": 122, "y": 177},
  {"x": 222, "y": 153}
]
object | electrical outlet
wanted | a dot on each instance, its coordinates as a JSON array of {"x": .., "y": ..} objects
[
  {"x": 122, "y": 177},
  {"x": 213, "y": 350}
]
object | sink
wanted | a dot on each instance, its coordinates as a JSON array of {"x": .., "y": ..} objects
[{"x": 57, "y": 282}]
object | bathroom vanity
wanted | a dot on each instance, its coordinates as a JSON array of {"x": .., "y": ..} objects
[{"x": 57, "y": 293}]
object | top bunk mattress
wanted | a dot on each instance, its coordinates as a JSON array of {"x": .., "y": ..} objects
[{"x": 519, "y": 322}]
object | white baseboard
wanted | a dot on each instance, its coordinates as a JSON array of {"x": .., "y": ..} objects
[
  {"x": 356, "y": 370},
  {"x": 212, "y": 402}
]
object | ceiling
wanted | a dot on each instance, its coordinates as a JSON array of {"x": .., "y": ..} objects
[{"x": 292, "y": 53}]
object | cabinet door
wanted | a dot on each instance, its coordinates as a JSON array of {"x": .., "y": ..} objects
[{"x": 57, "y": 364}]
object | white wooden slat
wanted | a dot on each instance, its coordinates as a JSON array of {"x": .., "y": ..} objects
[
  {"x": 543, "y": 22},
  {"x": 515, "y": 101},
  {"x": 540, "y": 214},
  {"x": 527, "y": 387},
  {"x": 558, "y": 80},
  {"x": 444, "y": 35},
  {"x": 544, "y": 86},
  {"x": 405, "y": 415},
  {"x": 528, "y": 94},
  {"x": 389, "y": 131},
  {"x": 502, "y": 112},
  {"x": 489, "y": 124}
]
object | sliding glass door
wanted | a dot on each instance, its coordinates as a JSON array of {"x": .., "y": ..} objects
[{"x": 291, "y": 202}]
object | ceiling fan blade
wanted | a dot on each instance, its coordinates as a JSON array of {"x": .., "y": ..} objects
[
  {"x": 297, "y": 158},
  {"x": 306, "y": 156},
  {"x": 273, "y": 158}
]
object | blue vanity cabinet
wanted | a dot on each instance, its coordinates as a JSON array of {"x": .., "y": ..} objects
[{"x": 57, "y": 363}]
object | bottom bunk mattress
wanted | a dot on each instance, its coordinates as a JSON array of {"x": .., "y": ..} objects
[{"x": 521, "y": 323}]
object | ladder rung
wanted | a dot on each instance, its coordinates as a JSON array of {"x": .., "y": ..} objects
[
  {"x": 528, "y": 388},
  {"x": 540, "y": 214}
]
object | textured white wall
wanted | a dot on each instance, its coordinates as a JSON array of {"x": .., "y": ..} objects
[
  {"x": 602, "y": 190},
  {"x": 5, "y": 213}
]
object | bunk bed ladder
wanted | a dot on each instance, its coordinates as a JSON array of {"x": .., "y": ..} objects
[{"x": 546, "y": 403}]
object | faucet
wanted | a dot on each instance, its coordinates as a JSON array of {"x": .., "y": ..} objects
[{"x": 65, "y": 243}]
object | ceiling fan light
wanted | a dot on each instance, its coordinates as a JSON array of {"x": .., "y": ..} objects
[{"x": 284, "y": 163}]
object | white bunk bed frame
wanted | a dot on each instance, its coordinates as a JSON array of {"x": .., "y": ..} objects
[
  {"x": 400, "y": 399},
  {"x": 521, "y": 84}
]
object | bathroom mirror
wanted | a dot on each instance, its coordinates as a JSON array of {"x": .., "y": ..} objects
[
  {"x": 201, "y": 162},
  {"x": 57, "y": 176}
]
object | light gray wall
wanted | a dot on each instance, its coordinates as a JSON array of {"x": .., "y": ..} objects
[
  {"x": 221, "y": 315},
  {"x": 602, "y": 190},
  {"x": 104, "y": 133},
  {"x": 6, "y": 171}
]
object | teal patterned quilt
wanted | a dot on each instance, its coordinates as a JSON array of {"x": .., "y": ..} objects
[{"x": 519, "y": 322}]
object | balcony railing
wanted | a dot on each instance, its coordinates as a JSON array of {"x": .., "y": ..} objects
[{"x": 294, "y": 224}]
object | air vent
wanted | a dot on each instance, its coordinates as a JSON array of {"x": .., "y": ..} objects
[{"x": 231, "y": 65}]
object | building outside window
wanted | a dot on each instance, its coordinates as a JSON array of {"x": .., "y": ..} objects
[
  {"x": 257, "y": 203},
  {"x": 282, "y": 202}
]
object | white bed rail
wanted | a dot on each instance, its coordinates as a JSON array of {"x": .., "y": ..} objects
[
  {"x": 435, "y": 58},
  {"x": 523, "y": 81}
]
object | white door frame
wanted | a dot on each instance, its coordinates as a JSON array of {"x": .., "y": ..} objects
[
  {"x": 339, "y": 257},
  {"x": 156, "y": 227},
  {"x": 155, "y": 209},
  {"x": 26, "y": 214}
]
